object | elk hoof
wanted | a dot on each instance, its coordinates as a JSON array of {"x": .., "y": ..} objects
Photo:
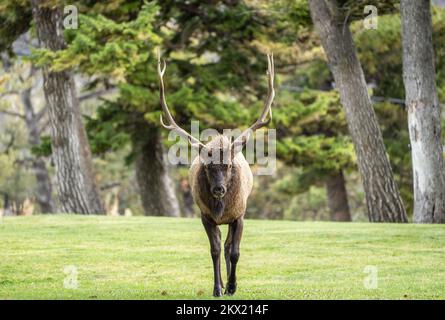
[
  {"x": 231, "y": 288},
  {"x": 217, "y": 291}
]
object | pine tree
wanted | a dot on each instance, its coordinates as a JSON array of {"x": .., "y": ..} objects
[
  {"x": 77, "y": 188},
  {"x": 382, "y": 195}
]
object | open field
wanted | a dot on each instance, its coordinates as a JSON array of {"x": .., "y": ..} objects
[{"x": 168, "y": 258}]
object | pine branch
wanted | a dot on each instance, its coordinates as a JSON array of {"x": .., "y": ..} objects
[
  {"x": 13, "y": 114},
  {"x": 12, "y": 92},
  {"x": 96, "y": 94}
]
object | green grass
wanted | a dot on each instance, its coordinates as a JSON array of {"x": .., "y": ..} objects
[{"x": 168, "y": 258}]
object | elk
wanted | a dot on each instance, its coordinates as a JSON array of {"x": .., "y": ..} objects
[{"x": 221, "y": 181}]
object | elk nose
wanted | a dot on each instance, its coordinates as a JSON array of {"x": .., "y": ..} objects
[{"x": 219, "y": 191}]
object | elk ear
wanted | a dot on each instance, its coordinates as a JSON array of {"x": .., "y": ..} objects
[
  {"x": 237, "y": 146},
  {"x": 205, "y": 154},
  {"x": 196, "y": 146},
  {"x": 200, "y": 148},
  {"x": 241, "y": 141},
  {"x": 232, "y": 148}
]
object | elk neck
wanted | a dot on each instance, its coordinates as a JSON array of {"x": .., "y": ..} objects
[{"x": 218, "y": 206}]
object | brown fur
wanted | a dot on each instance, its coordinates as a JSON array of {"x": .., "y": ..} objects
[{"x": 233, "y": 205}]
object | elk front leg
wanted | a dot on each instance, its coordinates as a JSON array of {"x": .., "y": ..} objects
[
  {"x": 228, "y": 249},
  {"x": 237, "y": 232},
  {"x": 214, "y": 235}
]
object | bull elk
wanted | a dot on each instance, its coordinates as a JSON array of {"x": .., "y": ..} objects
[{"x": 221, "y": 182}]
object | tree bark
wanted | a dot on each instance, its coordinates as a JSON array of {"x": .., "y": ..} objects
[
  {"x": 423, "y": 112},
  {"x": 337, "y": 197},
  {"x": 77, "y": 189},
  {"x": 44, "y": 187},
  {"x": 383, "y": 200},
  {"x": 156, "y": 188},
  {"x": 7, "y": 210}
]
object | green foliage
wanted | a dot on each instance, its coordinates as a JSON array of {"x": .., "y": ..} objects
[
  {"x": 218, "y": 48},
  {"x": 44, "y": 148},
  {"x": 6, "y": 163},
  {"x": 215, "y": 53},
  {"x": 380, "y": 52},
  {"x": 353, "y": 9},
  {"x": 308, "y": 206},
  {"x": 310, "y": 112},
  {"x": 212, "y": 110},
  {"x": 438, "y": 16},
  {"x": 15, "y": 19},
  {"x": 104, "y": 47},
  {"x": 210, "y": 76},
  {"x": 315, "y": 75},
  {"x": 117, "y": 53},
  {"x": 312, "y": 134},
  {"x": 284, "y": 19},
  {"x": 106, "y": 131},
  {"x": 15, "y": 178},
  {"x": 319, "y": 152}
]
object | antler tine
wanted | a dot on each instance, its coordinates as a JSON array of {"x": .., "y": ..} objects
[
  {"x": 267, "y": 108},
  {"x": 172, "y": 124},
  {"x": 271, "y": 92}
]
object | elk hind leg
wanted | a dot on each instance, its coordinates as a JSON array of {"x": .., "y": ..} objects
[
  {"x": 228, "y": 249},
  {"x": 237, "y": 233}
]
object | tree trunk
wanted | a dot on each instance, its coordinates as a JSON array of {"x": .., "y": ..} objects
[
  {"x": 7, "y": 210},
  {"x": 44, "y": 188},
  {"x": 187, "y": 198},
  {"x": 423, "y": 112},
  {"x": 337, "y": 197},
  {"x": 382, "y": 196},
  {"x": 77, "y": 189},
  {"x": 156, "y": 188}
]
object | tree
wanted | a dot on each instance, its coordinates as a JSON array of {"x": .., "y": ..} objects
[
  {"x": 312, "y": 135},
  {"x": 223, "y": 64},
  {"x": 77, "y": 189},
  {"x": 120, "y": 51},
  {"x": 152, "y": 172},
  {"x": 379, "y": 52},
  {"x": 15, "y": 19},
  {"x": 382, "y": 196},
  {"x": 423, "y": 112},
  {"x": 32, "y": 119},
  {"x": 116, "y": 50},
  {"x": 337, "y": 197}
]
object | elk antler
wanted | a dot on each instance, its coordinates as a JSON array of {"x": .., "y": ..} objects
[
  {"x": 267, "y": 110},
  {"x": 172, "y": 124}
]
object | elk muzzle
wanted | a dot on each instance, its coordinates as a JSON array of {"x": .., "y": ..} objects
[{"x": 218, "y": 191}]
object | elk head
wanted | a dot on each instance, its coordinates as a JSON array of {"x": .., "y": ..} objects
[
  {"x": 217, "y": 162},
  {"x": 217, "y": 158}
]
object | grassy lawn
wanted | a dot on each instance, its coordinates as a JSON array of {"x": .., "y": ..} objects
[{"x": 168, "y": 258}]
